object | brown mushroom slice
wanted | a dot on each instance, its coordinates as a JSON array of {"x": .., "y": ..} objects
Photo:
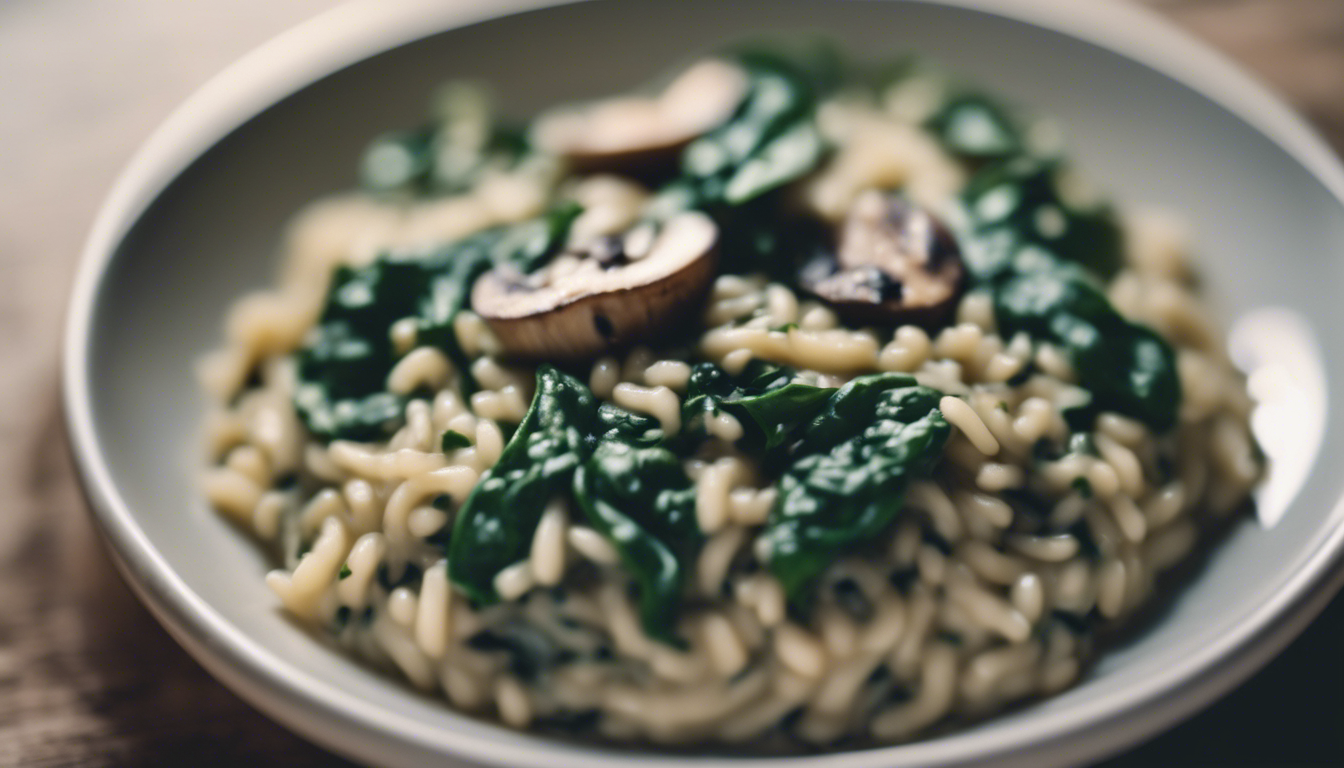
[
  {"x": 614, "y": 292},
  {"x": 895, "y": 263},
  {"x": 641, "y": 135}
]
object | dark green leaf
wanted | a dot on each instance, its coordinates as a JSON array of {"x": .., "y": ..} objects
[
  {"x": 617, "y": 424},
  {"x": 1024, "y": 201},
  {"x": 449, "y": 292},
  {"x": 641, "y": 500},
  {"x": 854, "y": 406},
  {"x": 769, "y": 141},
  {"x": 1082, "y": 486},
  {"x": 344, "y": 364},
  {"x": 495, "y": 525},
  {"x": 975, "y": 126},
  {"x": 1126, "y": 367},
  {"x": 777, "y": 411},
  {"x": 763, "y": 398},
  {"x": 849, "y": 475}
]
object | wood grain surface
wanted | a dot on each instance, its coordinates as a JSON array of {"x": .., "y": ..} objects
[{"x": 87, "y": 678}]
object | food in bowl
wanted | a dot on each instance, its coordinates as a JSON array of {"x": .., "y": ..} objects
[{"x": 787, "y": 403}]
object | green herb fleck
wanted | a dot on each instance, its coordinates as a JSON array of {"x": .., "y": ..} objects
[
  {"x": 452, "y": 440},
  {"x": 1082, "y": 486}
]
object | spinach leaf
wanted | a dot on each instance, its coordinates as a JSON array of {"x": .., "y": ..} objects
[
  {"x": 449, "y": 292},
  {"x": 755, "y": 238},
  {"x": 495, "y": 525},
  {"x": 617, "y": 424},
  {"x": 633, "y": 492},
  {"x": 524, "y": 246},
  {"x": 344, "y": 364},
  {"x": 707, "y": 386},
  {"x": 447, "y": 155},
  {"x": 769, "y": 140},
  {"x": 1026, "y": 200},
  {"x": 850, "y": 472},
  {"x": 641, "y": 500},
  {"x": 1126, "y": 367},
  {"x": 976, "y": 127},
  {"x": 1042, "y": 285},
  {"x": 777, "y": 411},
  {"x": 854, "y": 405},
  {"x": 763, "y": 398},
  {"x": 759, "y": 376}
]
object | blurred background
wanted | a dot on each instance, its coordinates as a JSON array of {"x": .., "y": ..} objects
[{"x": 87, "y": 677}]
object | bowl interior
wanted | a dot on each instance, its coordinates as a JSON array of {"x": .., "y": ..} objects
[{"x": 1267, "y": 233}]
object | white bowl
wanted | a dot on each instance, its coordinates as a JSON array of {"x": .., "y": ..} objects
[{"x": 1152, "y": 115}]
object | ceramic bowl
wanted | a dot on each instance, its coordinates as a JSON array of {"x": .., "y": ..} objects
[{"x": 1152, "y": 115}]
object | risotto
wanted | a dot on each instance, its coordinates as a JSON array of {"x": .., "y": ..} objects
[{"x": 789, "y": 402}]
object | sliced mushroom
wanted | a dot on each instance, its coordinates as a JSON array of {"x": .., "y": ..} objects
[
  {"x": 895, "y": 263},
  {"x": 643, "y": 135},
  {"x": 614, "y": 291}
]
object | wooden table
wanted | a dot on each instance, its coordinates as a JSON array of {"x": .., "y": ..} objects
[{"x": 87, "y": 678}]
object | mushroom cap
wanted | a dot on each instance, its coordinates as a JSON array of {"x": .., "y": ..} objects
[
  {"x": 638, "y": 134},
  {"x": 895, "y": 263},
  {"x": 584, "y": 303}
]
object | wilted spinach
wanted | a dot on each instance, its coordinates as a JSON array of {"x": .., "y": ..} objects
[
  {"x": 1037, "y": 254},
  {"x": 1126, "y": 367},
  {"x": 763, "y": 398},
  {"x": 617, "y": 424},
  {"x": 446, "y": 156},
  {"x": 1026, "y": 200},
  {"x": 976, "y": 127},
  {"x": 343, "y": 366},
  {"x": 770, "y": 140},
  {"x": 495, "y": 525},
  {"x": 604, "y": 458},
  {"x": 449, "y": 293},
  {"x": 641, "y": 500},
  {"x": 849, "y": 474}
]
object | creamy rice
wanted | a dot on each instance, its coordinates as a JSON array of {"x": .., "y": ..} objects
[{"x": 987, "y": 588}]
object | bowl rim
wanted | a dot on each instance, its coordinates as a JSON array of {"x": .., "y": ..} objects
[{"x": 358, "y": 29}]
